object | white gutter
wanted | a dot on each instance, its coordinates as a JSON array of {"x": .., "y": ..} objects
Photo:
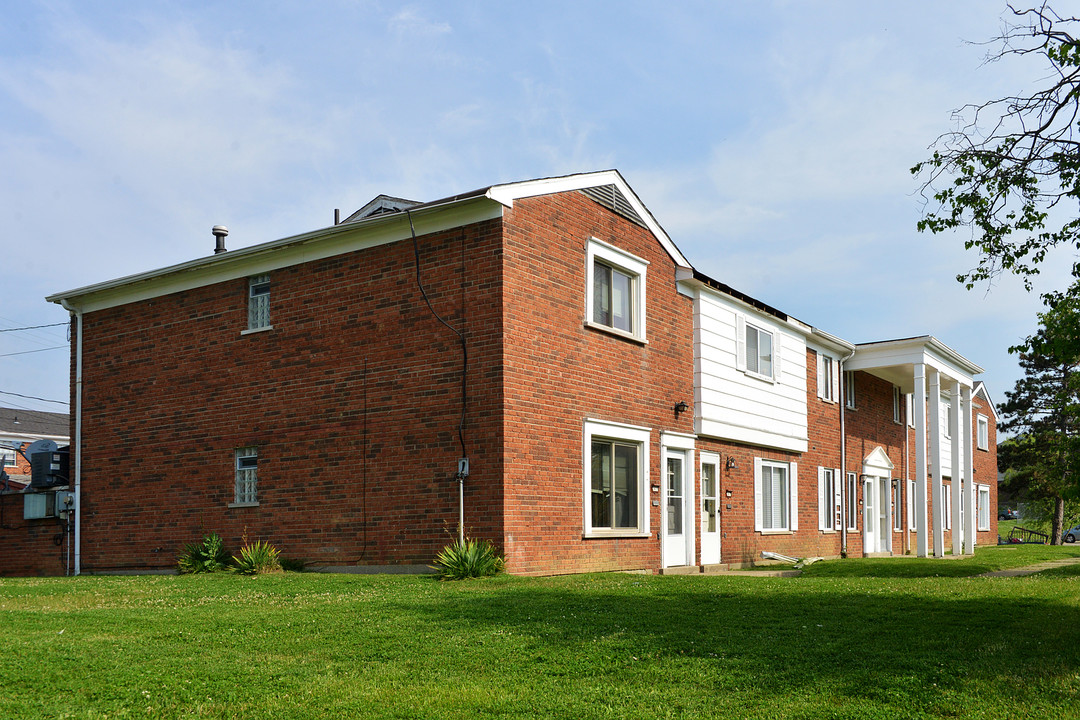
[
  {"x": 843, "y": 459},
  {"x": 78, "y": 431}
]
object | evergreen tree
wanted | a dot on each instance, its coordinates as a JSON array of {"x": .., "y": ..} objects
[{"x": 1044, "y": 409}]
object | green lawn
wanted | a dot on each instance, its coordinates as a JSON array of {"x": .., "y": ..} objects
[{"x": 849, "y": 639}]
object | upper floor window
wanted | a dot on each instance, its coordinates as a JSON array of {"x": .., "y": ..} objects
[
  {"x": 756, "y": 353},
  {"x": 849, "y": 390},
  {"x": 259, "y": 302},
  {"x": 7, "y": 457},
  {"x": 615, "y": 295},
  {"x": 982, "y": 430},
  {"x": 826, "y": 380},
  {"x": 896, "y": 404}
]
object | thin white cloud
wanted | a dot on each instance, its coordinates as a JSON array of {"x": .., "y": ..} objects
[{"x": 411, "y": 22}]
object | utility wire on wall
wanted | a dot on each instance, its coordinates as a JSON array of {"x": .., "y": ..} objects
[
  {"x": 461, "y": 337},
  {"x": 463, "y": 463}
]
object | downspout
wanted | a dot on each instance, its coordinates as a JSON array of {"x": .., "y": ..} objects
[
  {"x": 843, "y": 458},
  {"x": 78, "y": 432}
]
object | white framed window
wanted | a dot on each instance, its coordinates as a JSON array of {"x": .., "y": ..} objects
[
  {"x": 849, "y": 390},
  {"x": 982, "y": 506},
  {"x": 896, "y": 405},
  {"x": 776, "y": 486},
  {"x": 615, "y": 291},
  {"x": 616, "y": 479},
  {"x": 982, "y": 432},
  {"x": 247, "y": 477},
  {"x": 897, "y": 522},
  {"x": 947, "y": 492},
  {"x": 911, "y": 505},
  {"x": 7, "y": 457},
  {"x": 830, "y": 507},
  {"x": 259, "y": 302},
  {"x": 946, "y": 408},
  {"x": 910, "y": 409},
  {"x": 852, "y": 500},
  {"x": 827, "y": 380},
  {"x": 710, "y": 492},
  {"x": 757, "y": 351}
]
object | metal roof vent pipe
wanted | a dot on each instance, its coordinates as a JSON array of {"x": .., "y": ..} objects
[{"x": 220, "y": 233}]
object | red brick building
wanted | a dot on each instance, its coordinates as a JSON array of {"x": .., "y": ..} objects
[{"x": 617, "y": 409}]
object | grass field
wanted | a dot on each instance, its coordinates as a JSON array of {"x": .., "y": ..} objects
[{"x": 886, "y": 638}]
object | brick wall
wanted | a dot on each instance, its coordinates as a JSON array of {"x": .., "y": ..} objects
[
  {"x": 559, "y": 372},
  {"x": 352, "y": 399}
]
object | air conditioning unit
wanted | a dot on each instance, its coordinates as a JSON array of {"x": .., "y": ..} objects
[
  {"x": 40, "y": 505},
  {"x": 49, "y": 469}
]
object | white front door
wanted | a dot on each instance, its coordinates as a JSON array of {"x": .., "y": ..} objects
[
  {"x": 884, "y": 515},
  {"x": 710, "y": 509},
  {"x": 876, "y": 515},
  {"x": 678, "y": 498}
]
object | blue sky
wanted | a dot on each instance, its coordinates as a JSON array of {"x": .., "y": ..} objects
[{"x": 771, "y": 140}]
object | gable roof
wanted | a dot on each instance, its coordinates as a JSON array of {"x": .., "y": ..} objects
[
  {"x": 381, "y": 221},
  {"x": 980, "y": 389}
]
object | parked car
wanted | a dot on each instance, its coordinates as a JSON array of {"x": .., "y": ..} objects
[
  {"x": 1071, "y": 535},
  {"x": 1006, "y": 514}
]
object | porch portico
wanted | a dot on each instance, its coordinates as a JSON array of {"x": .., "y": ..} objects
[{"x": 929, "y": 370}]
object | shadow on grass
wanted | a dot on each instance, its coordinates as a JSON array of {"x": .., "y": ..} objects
[
  {"x": 938, "y": 645},
  {"x": 986, "y": 559}
]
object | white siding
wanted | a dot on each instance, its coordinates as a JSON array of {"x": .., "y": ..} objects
[{"x": 734, "y": 405}]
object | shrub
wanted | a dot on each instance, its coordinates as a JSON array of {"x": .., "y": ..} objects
[
  {"x": 206, "y": 557},
  {"x": 473, "y": 558},
  {"x": 257, "y": 558}
]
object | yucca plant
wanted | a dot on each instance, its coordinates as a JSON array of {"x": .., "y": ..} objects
[
  {"x": 257, "y": 558},
  {"x": 207, "y": 556},
  {"x": 468, "y": 559}
]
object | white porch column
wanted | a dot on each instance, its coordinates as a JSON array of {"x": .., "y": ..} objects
[
  {"x": 971, "y": 522},
  {"x": 918, "y": 401},
  {"x": 957, "y": 441},
  {"x": 937, "y": 506}
]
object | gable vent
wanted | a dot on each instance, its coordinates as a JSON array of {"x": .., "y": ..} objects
[{"x": 610, "y": 197}]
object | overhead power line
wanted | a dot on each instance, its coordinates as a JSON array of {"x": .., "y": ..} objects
[
  {"x": 32, "y": 327},
  {"x": 31, "y": 397},
  {"x": 27, "y": 352}
]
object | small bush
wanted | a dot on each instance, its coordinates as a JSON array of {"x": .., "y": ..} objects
[
  {"x": 471, "y": 559},
  {"x": 206, "y": 557},
  {"x": 257, "y": 558}
]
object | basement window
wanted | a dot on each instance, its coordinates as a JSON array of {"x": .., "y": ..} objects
[{"x": 247, "y": 477}]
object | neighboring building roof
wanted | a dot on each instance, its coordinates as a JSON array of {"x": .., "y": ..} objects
[
  {"x": 380, "y": 206},
  {"x": 23, "y": 425}
]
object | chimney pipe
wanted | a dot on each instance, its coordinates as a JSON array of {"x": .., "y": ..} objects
[
  {"x": 337, "y": 216},
  {"x": 220, "y": 232}
]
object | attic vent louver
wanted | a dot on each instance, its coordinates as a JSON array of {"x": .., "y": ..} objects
[{"x": 610, "y": 197}]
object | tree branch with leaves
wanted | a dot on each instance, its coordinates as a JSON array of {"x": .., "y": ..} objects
[{"x": 1014, "y": 162}]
